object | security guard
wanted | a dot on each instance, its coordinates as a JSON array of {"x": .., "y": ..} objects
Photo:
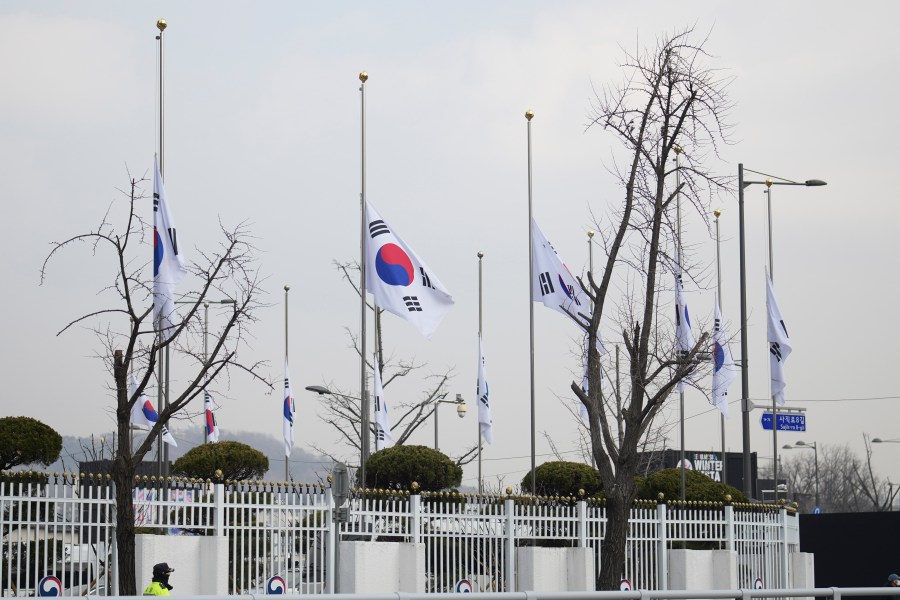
[{"x": 160, "y": 584}]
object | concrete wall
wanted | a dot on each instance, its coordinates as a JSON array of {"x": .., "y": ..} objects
[
  {"x": 200, "y": 562},
  {"x": 703, "y": 570},
  {"x": 372, "y": 567},
  {"x": 555, "y": 569}
]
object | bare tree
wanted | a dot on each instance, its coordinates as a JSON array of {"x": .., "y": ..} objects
[
  {"x": 342, "y": 411},
  {"x": 669, "y": 100},
  {"x": 126, "y": 322},
  {"x": 847, "y": 483}
]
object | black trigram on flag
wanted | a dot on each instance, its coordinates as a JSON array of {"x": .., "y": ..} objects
[
  {"x": 775, "y": 350},
  {"x": 377, "y": 404},
  {"x": 425, "y": 280},
  {"x": 287, "y": 383},
  {"x": 677, "y": 315},
  {"x": 412, "y": 303},
  {"x": 546, "y": 283},
  {"x": 784, "y": 328},
  {"x": 379, "y": 434},
  {"x": 484, "y": 400},
  {"x": 173, "y": 237},
  {"x": 155, "y": 202},
  {"x": 717, "y": 325},
  {"x": 378, "y": 227}
]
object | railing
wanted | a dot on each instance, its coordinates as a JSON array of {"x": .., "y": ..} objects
[{"x": 64, "y": 527}]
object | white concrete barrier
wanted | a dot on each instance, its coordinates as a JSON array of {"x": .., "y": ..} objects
[
  {"x": 378, "y": 567},
  {"x": 803, "y": 568},
  {"x": 200, "y": 562},
  {"x": 702, "y": 569},
  {"x": 555, "y": 569}
]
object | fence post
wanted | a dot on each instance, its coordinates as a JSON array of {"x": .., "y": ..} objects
[
  {"x": 331, "y": 553},
  {"x": 114, "y": 545},
  {"x": 509, "y": 506},
  {"x": 582, "y": 523},
  {"x": 415, "y": 511},
  {"x": 662, "y": 547},
  {"x": 783, "y": 546},
  {"x": 729, "y": 526},
  {"x": 219, "y": 508}
]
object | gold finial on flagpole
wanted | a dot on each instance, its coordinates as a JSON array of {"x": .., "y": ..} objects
[
  {"x": 161, "y": 25},
  {"x": 717, "y": 213},
  {"x": 529, "y": 114},
  {"x": 480, "y": 254},
  {"x": 363, "y": 76}
]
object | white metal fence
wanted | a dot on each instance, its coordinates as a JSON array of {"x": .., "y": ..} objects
[{"x": 64, "y": 527}]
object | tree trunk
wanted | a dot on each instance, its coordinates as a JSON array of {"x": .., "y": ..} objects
[
  {"x": 124, "y": 479},
  {"x": 612, "y": 552},
  {"x": 123, "y": 469}
]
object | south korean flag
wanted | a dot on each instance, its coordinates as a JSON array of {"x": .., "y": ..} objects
[
  {"x": 779, "y": 344},
  {"x": 399, "y": 280},
  {"x": 551, "y": 282},
  {"x": 382, "y": 421}
]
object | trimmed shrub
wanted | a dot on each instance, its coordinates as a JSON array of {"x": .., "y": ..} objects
[
  {"x": 697, "y": 487},
  {"x": 563, "y": 478},
  {"x": 397, "y": 467}
]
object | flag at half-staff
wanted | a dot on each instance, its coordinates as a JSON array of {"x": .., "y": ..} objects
[
  {"x": 168, "y": 263},
  {"x": 552, "y": 282},
  {"x": 724, "y": 370},
  {"x": 779, "y": 344},
  {"x": 485, "y": 419},
  {"x": 289, "y": 411},
  {"x": 143, "y": 413},
  {"x": 684, "y": 337},
  {"x": 212, "y": 427},
  {"x": 382, "y": 421},
  {"x": 398, "y": 279}
]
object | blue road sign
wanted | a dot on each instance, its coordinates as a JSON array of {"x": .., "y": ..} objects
[{"x": 786, "y": 422}]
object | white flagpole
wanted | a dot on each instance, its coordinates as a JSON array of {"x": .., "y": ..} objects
[
  {"x": 163, "y": 376},
  {"x": 774, "y": 403},
  {"x": 677, "y": 149},
  {"x": 480, "y": 312},
  {"x": 590, "y": 243},
  {"x": 287, "y": 288},
  {"x": 363, "y": 392},
  {"x": 205, "y": 364},
  {"x": 529, "y": 115},
  {"x": 717, "y": 213}
]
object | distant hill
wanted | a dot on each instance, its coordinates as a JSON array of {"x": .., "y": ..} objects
[{"x": 305, "y": 466}]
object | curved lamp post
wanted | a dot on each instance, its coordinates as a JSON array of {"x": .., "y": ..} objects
[
  {"x": 801, "y": 445},
  {"x": 745, "y": 378}
]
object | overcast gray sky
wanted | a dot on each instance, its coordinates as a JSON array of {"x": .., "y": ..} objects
[{"x": 262, "y": 108}]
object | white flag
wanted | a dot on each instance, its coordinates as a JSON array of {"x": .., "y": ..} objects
[
  {"x": 552, "y": 283},
  {"x": 289, "y": 410},
  {"x": 779, "y": 344},
  {"x": 485, "y": 421},
  {"x": 212, "y": 428},
  {"x": 724, "y": 370},
  {"x": 684, "y": 337},
  {"x": 144, "y": 415},
  {"x": 168, "y": 265},
  {"x": 398, "y": 279},
  {"x": 382, "y": 422}
]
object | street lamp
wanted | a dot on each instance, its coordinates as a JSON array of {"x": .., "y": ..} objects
[
  {"x": 801, "y": 445},
  {"x": 881, "y": 441},
  {"x": 324, "y": 391},
  {"x": 745, "y": 378},
  {"x": 460, "y": 411}
]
